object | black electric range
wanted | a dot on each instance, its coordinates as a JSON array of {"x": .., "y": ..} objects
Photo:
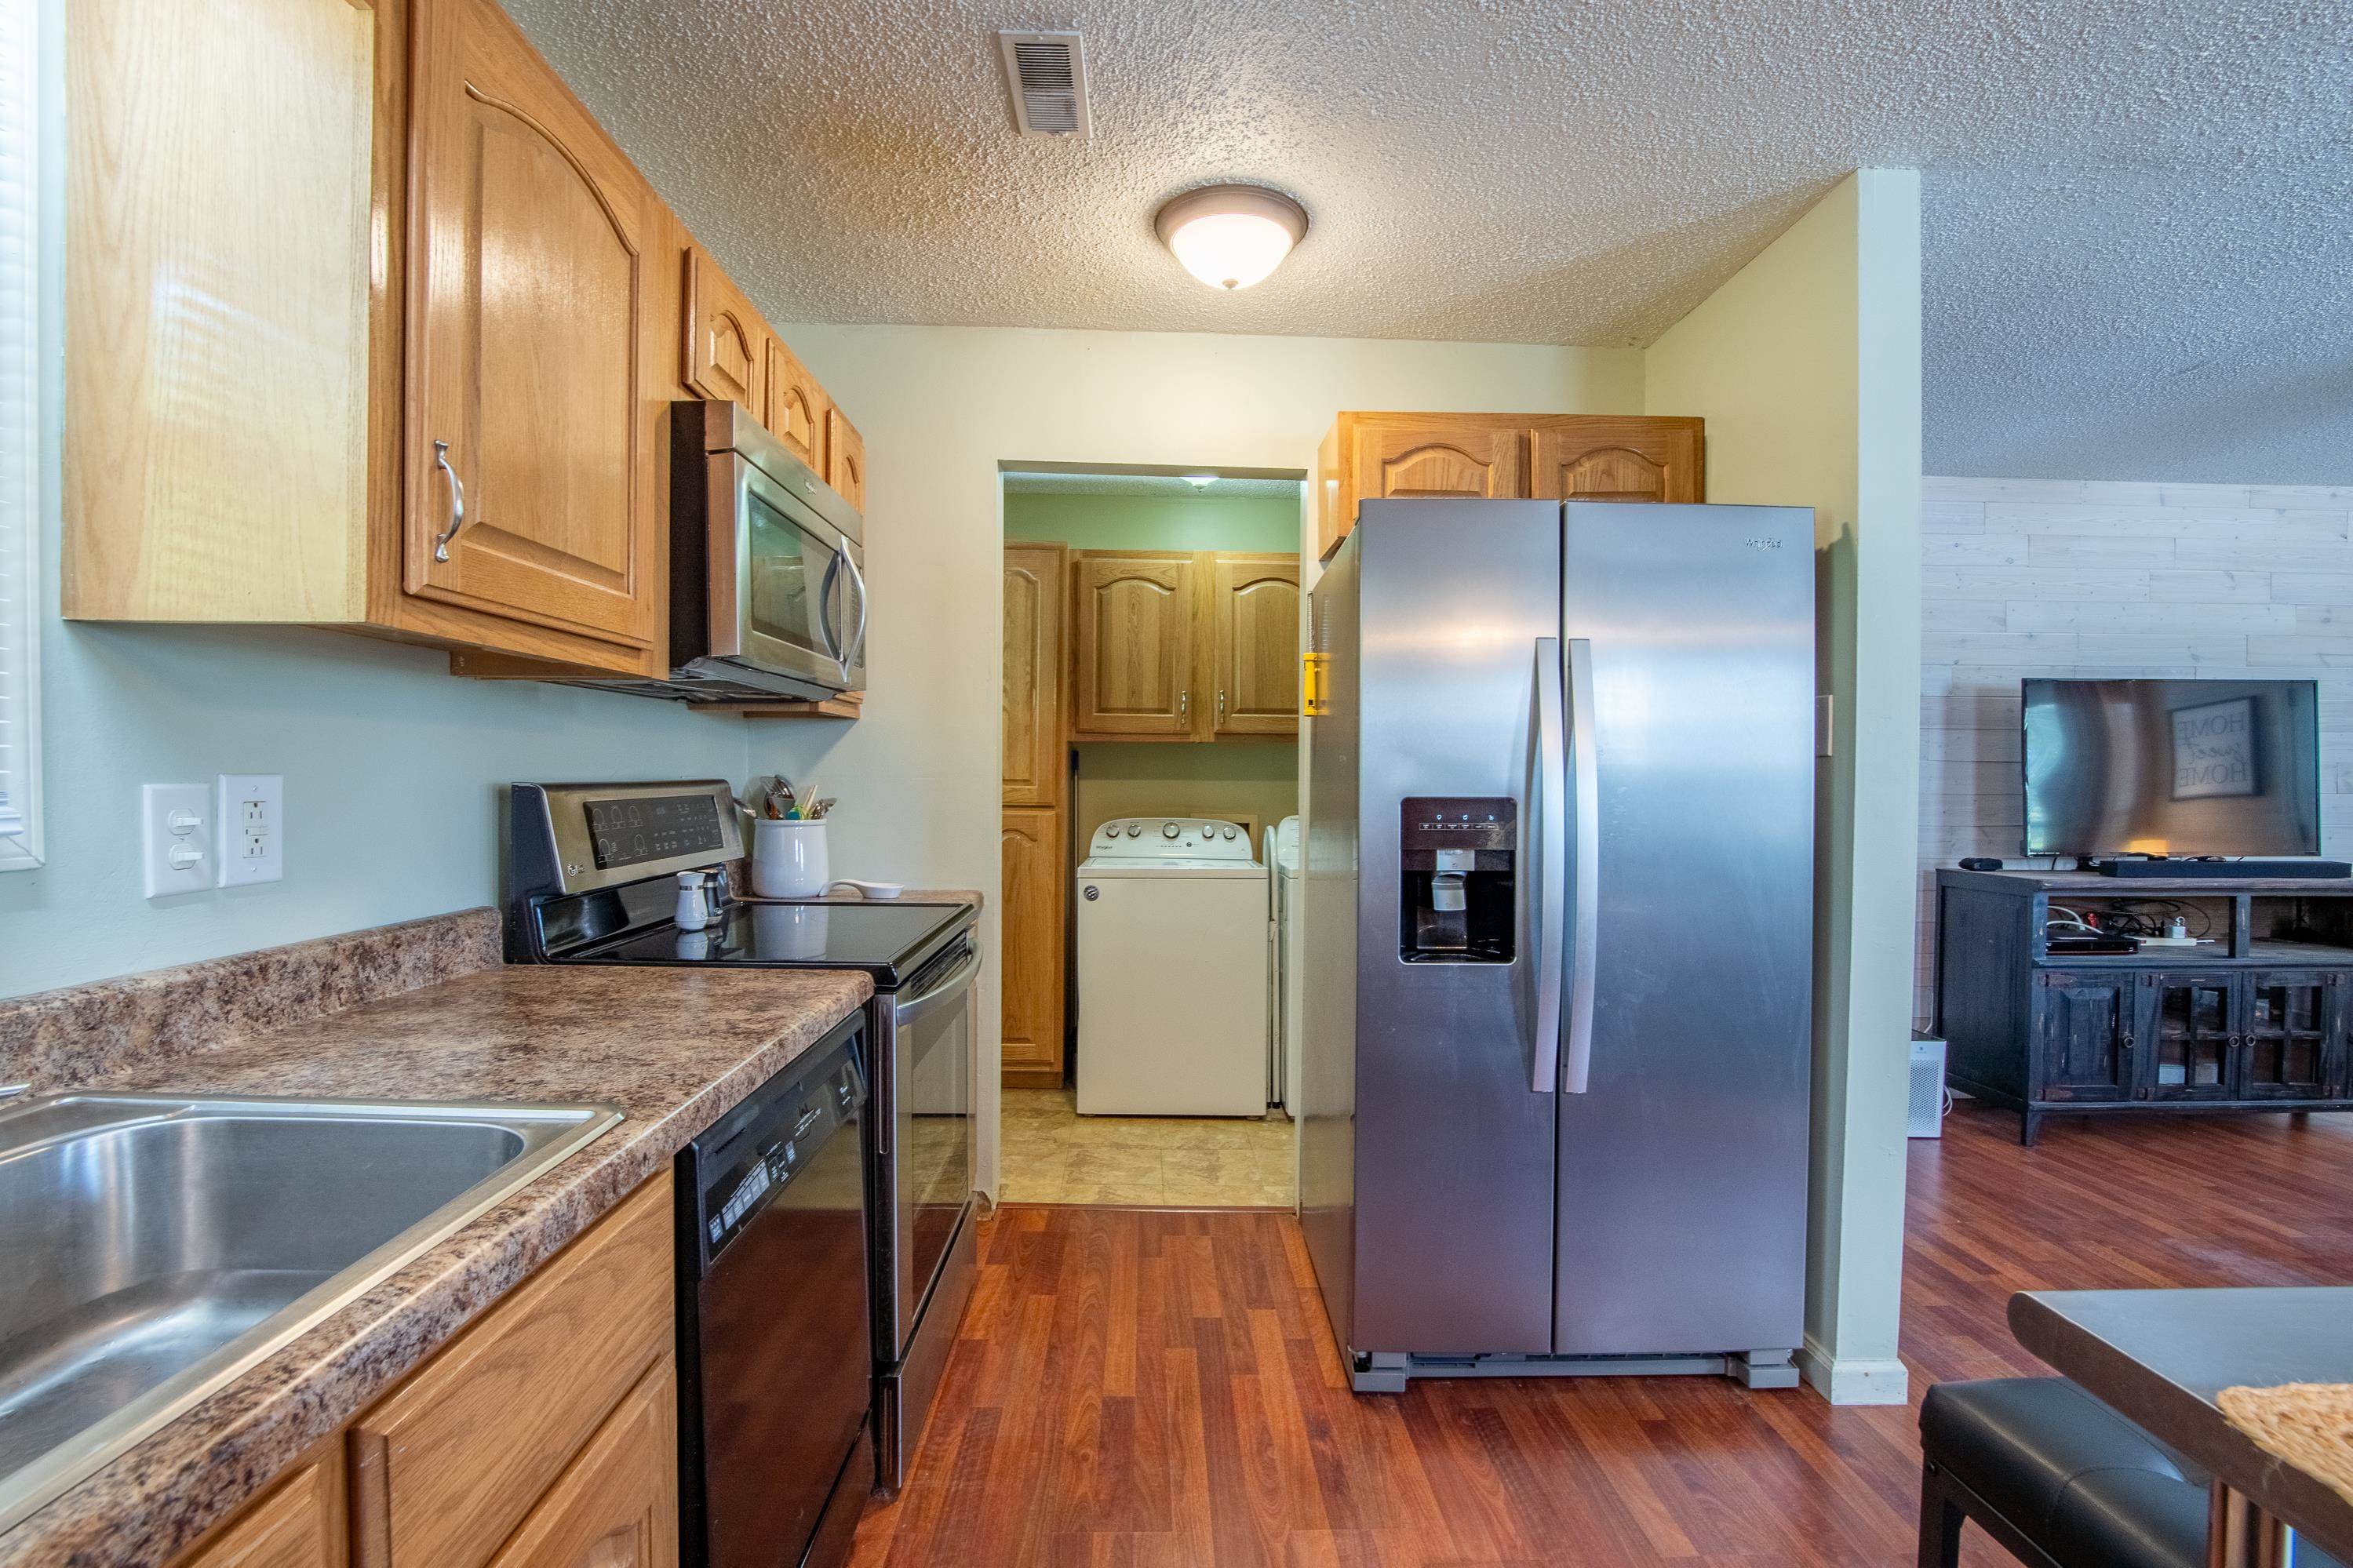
[{"x": 592, "y": 877}]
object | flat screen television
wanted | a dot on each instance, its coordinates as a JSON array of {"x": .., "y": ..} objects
[{"x": 2172, "y": 767}]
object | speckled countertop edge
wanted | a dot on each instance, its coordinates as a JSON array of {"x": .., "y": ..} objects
[{"x": 160, "y": 1496}]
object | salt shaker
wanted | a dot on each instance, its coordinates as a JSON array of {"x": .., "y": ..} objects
[{"x": 692, "y": 914}]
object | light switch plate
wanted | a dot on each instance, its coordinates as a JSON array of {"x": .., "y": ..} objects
[
  {"x": 252, "y": 836},
  {"x": 176, "y": 838}
]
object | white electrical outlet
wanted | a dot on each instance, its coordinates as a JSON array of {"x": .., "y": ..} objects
[
  {"x": 177, "y": 838},
  {"x": 252, "y": 816}
]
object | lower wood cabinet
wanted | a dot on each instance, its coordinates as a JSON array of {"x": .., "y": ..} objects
[
  {"x": 2085, "y": 1022},
  {"x": 1036, "y": 890},
  {"x": 544, "y": 1436},
  {"x": 617, "y": 1507},
  {"x": 298, "y": 1524}
]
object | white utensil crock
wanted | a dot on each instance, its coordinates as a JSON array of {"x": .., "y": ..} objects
[{"x": 788, "y": 860}]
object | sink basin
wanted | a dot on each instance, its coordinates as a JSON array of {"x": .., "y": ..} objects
[{"x": 156, "y": 1245}]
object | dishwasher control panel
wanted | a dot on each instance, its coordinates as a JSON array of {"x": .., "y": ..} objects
[{"x": 762, "y": 1153}]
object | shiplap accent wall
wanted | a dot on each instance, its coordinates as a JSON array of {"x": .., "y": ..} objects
[{"x": 2027, "y": 577}]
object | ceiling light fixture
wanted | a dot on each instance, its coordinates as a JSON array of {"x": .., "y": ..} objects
[
  {"x": 1201, "y": 481},
  {"x": 1230, "y": 236}
]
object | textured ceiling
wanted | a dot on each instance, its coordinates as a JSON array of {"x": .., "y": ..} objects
[{"x": 2138, "y": 230}]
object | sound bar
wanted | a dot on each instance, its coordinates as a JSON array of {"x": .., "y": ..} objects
[{"x": 2293, "y": 870}]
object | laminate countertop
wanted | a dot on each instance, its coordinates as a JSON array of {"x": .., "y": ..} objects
[{"x": 674, "y": 1047}]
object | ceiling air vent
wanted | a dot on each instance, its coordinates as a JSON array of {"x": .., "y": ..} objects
[{"x": 1046, "y": 77}]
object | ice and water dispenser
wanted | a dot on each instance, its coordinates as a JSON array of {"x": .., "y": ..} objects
[{"x": 1455, "y": 854}]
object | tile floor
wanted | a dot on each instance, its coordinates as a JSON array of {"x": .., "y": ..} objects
[{"x": 1053, "y": 1156}]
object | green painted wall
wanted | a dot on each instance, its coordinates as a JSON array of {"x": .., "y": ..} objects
[
  {"x": 1205, "y": 521},
  {"x": 1242, "y": 780}
]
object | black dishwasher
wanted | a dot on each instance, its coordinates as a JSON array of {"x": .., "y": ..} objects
[{"x": 775, "y": 1328}]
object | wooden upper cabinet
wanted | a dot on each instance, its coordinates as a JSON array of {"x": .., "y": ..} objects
[
  {"x": 1254, "y": 644},
  {"x": 1035, "y": 594},
  {"x": 797, "y": 407},
  {"x": 1602, "y": 458},
  {"x": 845, "y": 457},
  {"x": 727, "y": 345},
  {"x": 533, "y": 486},
  {"x": 1435, "y": 455},
  {"x": 1499, "y": 457},
  {"x": 1134, "y": 640}
]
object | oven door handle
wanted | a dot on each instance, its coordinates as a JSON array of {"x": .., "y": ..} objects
[{"x": 959, "y": 981}]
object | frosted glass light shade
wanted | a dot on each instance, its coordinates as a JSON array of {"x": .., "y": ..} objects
[{"x": 1230, "y": 236}]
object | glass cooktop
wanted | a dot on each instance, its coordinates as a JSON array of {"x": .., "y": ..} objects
[{"x": 882, "y": 938}]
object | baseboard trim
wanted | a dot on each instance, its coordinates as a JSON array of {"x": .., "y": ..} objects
[{"x": 1851, "y": 1380}]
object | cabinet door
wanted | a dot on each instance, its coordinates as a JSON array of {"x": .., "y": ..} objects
[
  {"x": 1439, "y": 455},
  {"x": 1135, "y": 635},
  {"x": 845, "y": 458},
  {"x": 1600, "y": 459},
  {"x": 2287, "y": 1037},
  {"x": 797, "y": 409},
  {"x": 727, "y": 346},
  {"x": 1254, "y": 643},
  {"x": 617, "y": 1505},
  {"x": 1034, "y": 888},
  {"x": 1034, "y": 760},
  {"x": 2191, "y": 1023},
  {"x": 529, "y": 336},
  {"x": 298, "y": 1525},
  {"x": 2085, "y": 1034}
]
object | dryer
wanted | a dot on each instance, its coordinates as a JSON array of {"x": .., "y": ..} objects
[{"x": 1172, "y": 961}]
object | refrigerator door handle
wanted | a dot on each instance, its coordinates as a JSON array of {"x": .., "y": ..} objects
[
  {"x": 1549, "y": 787},
  {"x": 1587, "y": 895}
]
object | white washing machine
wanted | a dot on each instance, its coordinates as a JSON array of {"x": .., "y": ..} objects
[{"x": 1172, "y": 960}]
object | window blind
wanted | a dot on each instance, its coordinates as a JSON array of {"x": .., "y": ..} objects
[{"x": 20, "y": 577}]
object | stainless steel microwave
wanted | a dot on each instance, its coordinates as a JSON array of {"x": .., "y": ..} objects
[{"x": 768, "y": 569}]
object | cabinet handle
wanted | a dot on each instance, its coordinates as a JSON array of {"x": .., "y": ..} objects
[
  {"x": 457, "y": 502},
  {"x": 1184, "y": 704},
  {"x": 1221, "y": 704}
]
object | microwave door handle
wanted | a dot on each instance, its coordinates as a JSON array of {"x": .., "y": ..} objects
[
  {"x": 856, "y": 645},
  {"x": 1583, "y": 934},
  {"x": 825, "y": 608},
  {"x": 1548, "y": 806}
]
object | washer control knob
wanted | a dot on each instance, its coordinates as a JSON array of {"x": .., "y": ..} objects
[
  {"x": 1229, "y": 832},
  {"x": 1134, "y": 829},
  {"x": 1168, "y": 830}
]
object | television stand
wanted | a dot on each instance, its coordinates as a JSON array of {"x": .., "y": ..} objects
[
  {"x": 2260, "y": 1018},
  {"x": 2219, "y": 870}
]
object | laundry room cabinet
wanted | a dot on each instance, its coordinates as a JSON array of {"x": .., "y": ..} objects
[
  {"x": 1183, "y": 647},
  {"x": 1503, "y": 457}
]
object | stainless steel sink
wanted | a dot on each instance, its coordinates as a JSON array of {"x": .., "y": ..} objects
[{"x": 152, "y": 1247}]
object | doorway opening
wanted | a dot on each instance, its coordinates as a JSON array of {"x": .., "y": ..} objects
[{"x": 1150, "y": 772}]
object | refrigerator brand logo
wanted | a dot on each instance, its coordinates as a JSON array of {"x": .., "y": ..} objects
[{"x": 1764, "y": 545}]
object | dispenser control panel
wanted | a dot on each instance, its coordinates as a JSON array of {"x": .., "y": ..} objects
[
  {"x": 1456, "y": 901},
  {"x": 1438, "y": 822}
]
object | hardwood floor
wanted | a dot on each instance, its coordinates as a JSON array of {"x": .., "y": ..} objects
[{"x": 1138, "y": 1389}]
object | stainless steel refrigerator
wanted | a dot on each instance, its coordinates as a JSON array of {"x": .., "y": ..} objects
[{"x": 1559, "y": 972}]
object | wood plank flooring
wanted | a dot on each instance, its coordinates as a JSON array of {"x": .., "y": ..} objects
[{"x": 1141, "y": 1389}]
